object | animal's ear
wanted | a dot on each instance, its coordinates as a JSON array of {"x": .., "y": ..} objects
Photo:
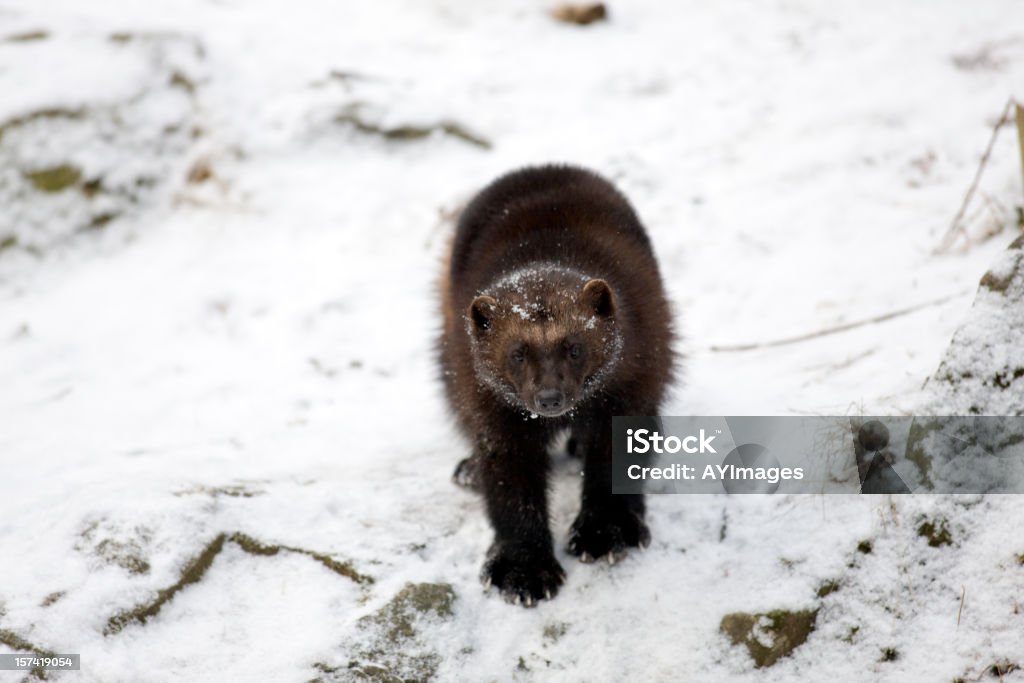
[
  {"x": 597, "y": 295},
  {"x": 481, "y": 313}
]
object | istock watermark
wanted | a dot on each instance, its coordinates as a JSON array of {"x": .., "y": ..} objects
[
  {"x": 646, "y": 441},
  {"x": 827, "y": 454}
]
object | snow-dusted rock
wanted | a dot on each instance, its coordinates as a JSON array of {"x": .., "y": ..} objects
[
  {"x": 76, "y": 158},
  {"x": 982, "y": 371},
  {"x": 981, "y": 378}
]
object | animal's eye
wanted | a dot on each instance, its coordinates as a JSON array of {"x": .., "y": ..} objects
[
  {"x": 518, "y": 354},
  {"x": 575, "y": 351}
]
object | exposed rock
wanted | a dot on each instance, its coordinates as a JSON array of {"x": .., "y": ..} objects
[
  {"x": 56, "y": 179},
  {"x": 17, "y": 644},
  {"x": 254, "y": 547},
  {"x": 936, "y": 531},
  {"x": 27, "y": 37},
  {"x": 196, "y": 569},
  {"x": 77, "y": 164},
  {"x": 193, "y": 572},
  {"x": 555, "y": 631},
  {"x": 229, "y": 490},
  {"x": 126, "y": 548},
  {"x": 398, "y": 646},
  {"x": 352, "y": 115},
  {"x": 828, "y": 588},
  {"x": 981, "y": 377},
  {"x": 52, "y": 598},
  {"x": 581, "y": 14},
  {"x": 982, "y": 371},
  {"x": 770, "y": 636}
]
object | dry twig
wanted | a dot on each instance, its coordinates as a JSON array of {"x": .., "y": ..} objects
[
  {"x": 838, "y": 328},
  {"x": 955, "y": 228}
]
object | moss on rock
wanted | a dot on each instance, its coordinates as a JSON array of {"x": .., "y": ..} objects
[
  {"x": 351, "y": 116},
  {"x": 769, "y": 636},
  {"x": 17, "y": 644},
  {"x": 827, "y": 588},
  {"x": 1000, "y": 282},
  {"x": 196, "y": 569},
  {"x": 414, "y": 600},
  {"x": 936, "y": 531},
  {"x": 27, "y": 37},
  {"x": 397, "y": 652},
  {"x": 125, "y": 554},
  {"x": 55, "y": 178}
]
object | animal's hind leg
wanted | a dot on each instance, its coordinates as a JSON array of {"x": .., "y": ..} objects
[{"x": 467, "y": 473}]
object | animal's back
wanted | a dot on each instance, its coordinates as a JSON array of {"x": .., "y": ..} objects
[{"x": 557, "y": 214}]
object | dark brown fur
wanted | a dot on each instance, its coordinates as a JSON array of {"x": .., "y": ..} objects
[{"x": 554, "y": 318}]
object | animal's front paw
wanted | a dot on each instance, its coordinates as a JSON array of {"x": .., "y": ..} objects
[
  {"x": 522, "y": 577},
  {"x": 599, "y": 533}
]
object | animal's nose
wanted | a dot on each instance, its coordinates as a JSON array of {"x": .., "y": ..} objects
[{"x": 550, "y": 399}]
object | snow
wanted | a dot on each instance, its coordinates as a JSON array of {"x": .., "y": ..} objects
[
  {"x": 981, "y": 370},
  {"x": 253, "y": 354}
]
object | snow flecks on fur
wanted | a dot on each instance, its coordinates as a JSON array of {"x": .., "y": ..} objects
[{"x": 542, "y": 302}]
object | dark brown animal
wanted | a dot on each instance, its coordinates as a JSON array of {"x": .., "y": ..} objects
[{"x": 554, "y": 318}]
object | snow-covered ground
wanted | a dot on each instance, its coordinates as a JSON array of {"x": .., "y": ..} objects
[{"x": 217, "y": 306}]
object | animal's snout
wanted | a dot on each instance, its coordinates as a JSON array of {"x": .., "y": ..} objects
[{"x": 550, "y": 400}]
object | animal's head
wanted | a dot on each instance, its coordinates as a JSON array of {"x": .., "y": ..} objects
[{"x": 544, "y": 338}]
